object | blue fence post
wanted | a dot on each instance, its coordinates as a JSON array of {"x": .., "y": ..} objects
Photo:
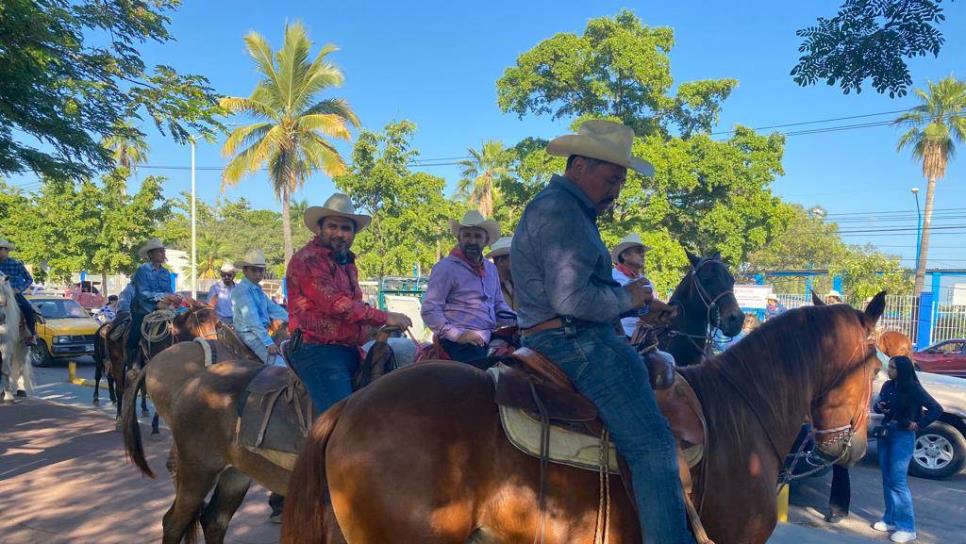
[
  {"x": 925, "y": 321},
  {"x": 174, "y": 281},
  {"x": 808, "y": 284},
  {"x": 837, "y": 283},
  {"x": 759, "y": 279}
]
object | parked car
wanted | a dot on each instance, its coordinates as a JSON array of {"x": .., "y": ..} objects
[
  {"x": 947, "y": 358},
  {"x": 940, "y": 450},
  {"x": 64, "y": 329}
]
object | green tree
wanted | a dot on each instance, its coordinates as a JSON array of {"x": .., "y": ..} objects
[
  {"x": 408, "y": 209},
  {"x": 72, "y": 72},
  {"x": 865, "y": 271},
  {"x": 481, "y": 174},
  {"x": 294, "y": 127},
  {"x": 935, "y": 125},
  {"x": 869, "y": 39},
  {"x": 618, "y": 68},
  {"x": 128, "y": 147}
]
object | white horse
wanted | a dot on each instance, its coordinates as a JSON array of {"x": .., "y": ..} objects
[{"x": 15, "y": 371}]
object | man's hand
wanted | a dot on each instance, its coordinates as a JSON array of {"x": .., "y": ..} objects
[
  {"x": 641, "y": 292},
  {"x": 470, "y": 337},
  {"x": 398, "y": 320}
]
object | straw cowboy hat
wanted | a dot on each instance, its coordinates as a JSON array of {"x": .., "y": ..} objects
[
  {"x": 7, "y": 244},
  {"x": 629, "y": 241},
  {"x": 771, "y": 296},
  {"x": 833, "y": 293},
  {"x": 254, "y": 258},
  {"x": 338, "y": 205},
  {"x": 604, "y": 140},
  {"x": 476, "y": 220},
  {"x": 227, "y": 268},
  {"x": 153, "y": 243},
  {"x": 500, "y": 248}
]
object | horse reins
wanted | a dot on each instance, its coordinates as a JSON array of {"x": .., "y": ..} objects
[{"x": 713, "y": 315}]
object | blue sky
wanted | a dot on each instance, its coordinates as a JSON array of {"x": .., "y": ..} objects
[{"x": 436, "y": 63}]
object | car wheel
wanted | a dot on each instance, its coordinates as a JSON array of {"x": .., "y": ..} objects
[
  {"x": 40, "y": 355},
  {"x": 940, "y": 452}
]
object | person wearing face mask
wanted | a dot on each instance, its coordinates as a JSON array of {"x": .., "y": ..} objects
[
  {"x": 464, "y": 299},
  {"x": 567, "y": 305},
  {"x": 325, "y": 303}
]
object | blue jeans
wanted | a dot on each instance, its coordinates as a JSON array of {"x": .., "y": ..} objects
[
  {"x": 326, "y": 371},
  {"x": 895, "y": 452},
  {"x": 463, "y": 353},
  {"x": 606, "y": 369}
]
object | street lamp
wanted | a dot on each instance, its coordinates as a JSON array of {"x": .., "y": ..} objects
[
  {"x": 194, "y": 230},
  {"x": 915, "y": 193}
]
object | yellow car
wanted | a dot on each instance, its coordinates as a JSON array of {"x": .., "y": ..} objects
[{"x": 64, "y": 330}]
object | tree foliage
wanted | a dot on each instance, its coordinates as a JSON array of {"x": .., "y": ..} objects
[
  {"x": 294, "y": 127},
  {"x": 870, "y": 39},
  {"x": 409, "y": 212},
  {"x": 63, "y": 87}
]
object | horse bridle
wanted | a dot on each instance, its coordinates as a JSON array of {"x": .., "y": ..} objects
[{"x": 710, "y": 305}]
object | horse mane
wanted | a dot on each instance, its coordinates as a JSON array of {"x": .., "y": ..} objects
[{"x": 780, "y": 368}]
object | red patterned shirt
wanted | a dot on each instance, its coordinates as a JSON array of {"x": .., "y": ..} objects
[{"x": 325, "y": 300}]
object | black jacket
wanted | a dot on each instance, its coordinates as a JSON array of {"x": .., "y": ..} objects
[{"x": 904, "y": 415}]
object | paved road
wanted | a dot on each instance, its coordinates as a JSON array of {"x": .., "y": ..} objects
[{"x": 64, "y": 478}]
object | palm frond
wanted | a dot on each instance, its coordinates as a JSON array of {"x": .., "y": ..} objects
[
  {"x": 334, "y": 106},
  {"x": 237, "y": 104},
  {"x": 246, "y": 136},
  {"x": 328, "y": 124},
  {"x": 292, "y": 61},
  {"x": 321, "y": 155},
  {"x": 261, "y": 51},
  {"x": 253, "y": 157}
]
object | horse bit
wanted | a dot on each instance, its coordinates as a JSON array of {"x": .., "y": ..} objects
[{"x": 710, "y": 304}]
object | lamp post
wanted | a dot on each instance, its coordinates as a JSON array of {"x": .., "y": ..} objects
[
  {"x": 194, "y": 228},
  {"x": 915, "y": 193}
]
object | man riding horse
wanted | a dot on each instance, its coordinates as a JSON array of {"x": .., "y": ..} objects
[
  {"x": 20, "y": 280},
  {"x": 325, "y": 303},
  {"x": 253, "y": 311},
  {"x": 567, "y": 304},
  {"x": 464, "y": 301},
  {"x": 151, "y": 284}
]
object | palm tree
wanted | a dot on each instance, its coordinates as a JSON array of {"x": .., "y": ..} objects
[
  {"x": 127, "y": 146},
  {"x": 292, "y": 133},
  {"x": 935, "y": 127},
  {"x": 480, "y": 173}
]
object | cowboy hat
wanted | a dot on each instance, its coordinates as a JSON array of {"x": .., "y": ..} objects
[
  {"x": 603, "y": 140},
  {"x": 771, "y": 296},
  {"x": 629, "y": 241},
  {"x": 151, "y": 245},
  {"x": 833, "y": 293},
  {"x": 500, "y": 248},
  {"x": 227, "y": 268},
  {"x": 476, "y": 220},
  {"x": 254, "y": 258},
  {"x": 338, "y": 205},
  {"x": 7, "y": 244}
]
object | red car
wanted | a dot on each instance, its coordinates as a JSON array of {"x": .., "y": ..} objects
[{"x": 947, "y": 358}]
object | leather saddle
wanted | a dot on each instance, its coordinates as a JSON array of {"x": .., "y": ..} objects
[
  {"x": 530, "y": 383},
  {"x": 275, "y": 414}
]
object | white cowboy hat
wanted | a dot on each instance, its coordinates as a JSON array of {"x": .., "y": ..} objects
[
  {"x": 500, "y": 248},
  {"x": 629, "y": 241},
  {"x": 151, "y": 245},
  {"x": 476, "y": 220},
  {"x": 337, "y": 205},
  {"x": 7, "y": 244},
  {"x": 603, "y": 140},
  {"x": 227, "y": 268},
  {"x": 833, "y": 293},
  {"x": 254, "y": 258},
  {"x": 771, "y": 296}
]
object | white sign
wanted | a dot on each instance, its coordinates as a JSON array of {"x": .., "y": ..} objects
[
  {"x": 959, "y": 294},
  {"x": 752, "y": 297}
]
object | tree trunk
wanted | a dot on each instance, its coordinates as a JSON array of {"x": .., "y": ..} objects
[
  {"x": 286, "y": 227},
  {"x": 924, "y": 240},
  {"x": 104, "y": 292}
]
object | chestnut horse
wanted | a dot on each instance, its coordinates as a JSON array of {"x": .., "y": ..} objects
[
  {"x": 894, "y": 343},
  {"x": 420, "y": 456}
]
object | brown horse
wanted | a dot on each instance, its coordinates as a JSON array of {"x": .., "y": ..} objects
[
  {"x": 199, "y": 404},
  {"x": 420, "y": 456},
  {"x": 894, "y": 343}
]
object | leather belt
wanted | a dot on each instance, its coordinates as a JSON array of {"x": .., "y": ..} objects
[{"x": 555, "y": 323}]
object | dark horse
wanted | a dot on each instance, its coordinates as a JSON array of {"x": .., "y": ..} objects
[
  {"x": 103, "y": 360},
  {"x": 704, "y": 298},
  {"x": 420, "y": 456}
]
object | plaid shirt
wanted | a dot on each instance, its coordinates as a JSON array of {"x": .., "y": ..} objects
[
  {"x": 325, "y": 300},
  {"x": 20, "y": 279}
]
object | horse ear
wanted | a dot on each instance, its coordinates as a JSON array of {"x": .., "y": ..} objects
[
  {"x": 876, "y": 307},
  {"x": 693, "y": 258},
  {"x": 716, "y": 256},
  {"x": 817, "y": 300}
]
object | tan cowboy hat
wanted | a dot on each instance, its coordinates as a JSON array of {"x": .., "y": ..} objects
[
  {"x": 337, "y": 205},
  {"x": 7, "y": 244},
  {"x": 500, "y": 248},
  {"x": 833, "y": 293},
  {"x": 254, "y": 258},
  {"x": 603, "y": 140},
  {"x": 474, "y": 219},
  {"x": 629, "y": 241},
  {"x": 227, "y": 268},
  {"x": 151, "y": 245}
]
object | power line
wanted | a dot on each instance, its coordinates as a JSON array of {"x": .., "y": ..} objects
[{"x": 819, "y": 121}]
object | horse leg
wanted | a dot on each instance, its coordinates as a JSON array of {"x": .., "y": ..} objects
[
  {"x": 144, "y": 401},
  {"x": 155, "y": 424},
  {"x": 98, "y": 372},
  {"x": 227, "y": 497},
  {"x": 192, "y": 484},
  {"x": 111, "y": 388}
]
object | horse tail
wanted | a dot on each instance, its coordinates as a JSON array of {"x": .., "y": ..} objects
[
  {"x": 131, "y": 427},
  {"x": 100, "y": 344},
  {"x": 307, "y": 497}
]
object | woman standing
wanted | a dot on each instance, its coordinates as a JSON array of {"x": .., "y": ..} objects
[{"x": 901, "y": 400}]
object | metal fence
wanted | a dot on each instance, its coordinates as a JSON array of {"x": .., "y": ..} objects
[{"x": 949, "y": 322}]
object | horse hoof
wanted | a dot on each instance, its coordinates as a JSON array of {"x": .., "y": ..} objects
[
  {"x": 21, "y": 394},
  {"x": 96, "y": 401},
  {"x": 155, "y": 431}
]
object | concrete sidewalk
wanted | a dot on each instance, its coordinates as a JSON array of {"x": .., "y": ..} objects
[{"x": 790, "y": 533}]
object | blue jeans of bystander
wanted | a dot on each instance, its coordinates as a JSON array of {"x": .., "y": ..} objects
[{"x": 895, "y": 453}]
